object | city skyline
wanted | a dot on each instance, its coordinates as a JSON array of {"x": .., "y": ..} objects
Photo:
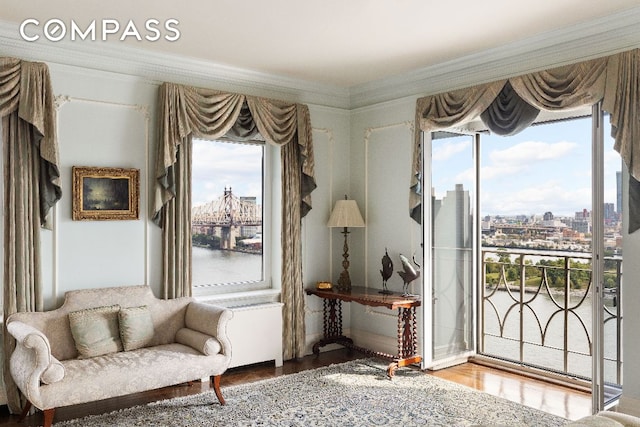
[{"x": 542, "y": 169}]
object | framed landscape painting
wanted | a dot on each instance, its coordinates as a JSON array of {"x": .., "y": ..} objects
[{"x": 105, "y": 193}]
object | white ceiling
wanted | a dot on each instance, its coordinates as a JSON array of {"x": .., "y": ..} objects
[{"x": 335, "y": 42}]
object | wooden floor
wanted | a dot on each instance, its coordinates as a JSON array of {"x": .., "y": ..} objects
[{"x": 565, "y": 402}]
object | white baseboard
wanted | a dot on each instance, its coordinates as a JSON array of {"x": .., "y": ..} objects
[
  {"x": 314, "y": 338},
  {"x": 363, "y": 339},
  {"x": 375, "y": 342}
]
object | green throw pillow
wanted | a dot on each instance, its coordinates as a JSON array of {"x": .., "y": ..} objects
[
  {"x": 136, "y": 327},
  {"x": 95, "y": 331}
]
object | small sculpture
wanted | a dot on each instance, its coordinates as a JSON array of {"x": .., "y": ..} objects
[
  {"x": 409, "y": 274},
  {"x": 386, "y": 272}
]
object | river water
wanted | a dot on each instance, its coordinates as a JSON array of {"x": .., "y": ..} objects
[
  {"x": 548, "y": 324},
  {"x": 211, "y": 266}
]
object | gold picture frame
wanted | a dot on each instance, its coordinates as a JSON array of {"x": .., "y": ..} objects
[{"x": 101, "y": 193}]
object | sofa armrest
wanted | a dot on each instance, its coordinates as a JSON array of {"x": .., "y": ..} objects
[
  {"x": 625, "y": 419},
  {"x": 210, "y": 320},
  {"x": 31, "y": 361}
]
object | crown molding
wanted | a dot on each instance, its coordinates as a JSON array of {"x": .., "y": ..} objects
[
  {"x": 123, "y": 59},
  {"x": 588, "y": 40},
  {"x": 604, "y": 36}
]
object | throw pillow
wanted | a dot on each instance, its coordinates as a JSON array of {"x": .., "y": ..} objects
[
  {"x": 136, "y": 327},
  {"x": 95, "y": 331}
]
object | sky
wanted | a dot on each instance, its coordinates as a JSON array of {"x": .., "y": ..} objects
[
  {"x": 217, "y": 165},
  {"x": 545, "y": 168}
]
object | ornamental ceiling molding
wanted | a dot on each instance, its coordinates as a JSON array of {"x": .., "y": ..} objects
[
  {"x": 600, "y": 37},
  {"x": 597, "y": 38},
  {"x": 160, "y": 67}
]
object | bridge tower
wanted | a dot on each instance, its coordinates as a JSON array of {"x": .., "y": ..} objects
[
  {"x": 226, "y": 217},
  {"x": 228, "y": 236},
  {"x": 229, "y": 230}
]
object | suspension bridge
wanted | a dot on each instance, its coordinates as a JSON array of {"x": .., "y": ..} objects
[{"x": 228, "y": 217}]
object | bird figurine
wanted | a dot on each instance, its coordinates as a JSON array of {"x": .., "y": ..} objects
[
  {"x": 386, "y": 272},
  {"x": 409, "y": 273}
]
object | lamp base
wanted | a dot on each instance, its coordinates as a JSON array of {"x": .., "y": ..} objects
[{"x": 344, "y": 282}]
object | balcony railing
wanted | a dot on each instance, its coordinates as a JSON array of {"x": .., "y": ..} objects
[{"x": 536, "y": 310}]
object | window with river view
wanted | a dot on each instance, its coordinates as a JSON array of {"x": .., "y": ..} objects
[{"x": 227, "y": 215}]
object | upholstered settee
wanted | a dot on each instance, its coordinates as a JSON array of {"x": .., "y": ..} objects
[
  {"x": 607, "y": 419},
  {"x": 109, "y": 342}
]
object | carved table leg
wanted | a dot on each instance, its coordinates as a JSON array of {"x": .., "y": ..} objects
[
  {"x": 391, "y": 369},
  {"x": 332, "y": 321},
  {"x": 332, "y": 318},
  {"x": 407, "y": 341}
]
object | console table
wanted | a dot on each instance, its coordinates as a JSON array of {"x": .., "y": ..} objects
[{"x": 407, "y": 330}]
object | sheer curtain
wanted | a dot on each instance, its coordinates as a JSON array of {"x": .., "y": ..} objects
[
  {"x": 31, "y": 188},
  {"x": 508, "y": 106},
  {"x": 187, "y": 112}
]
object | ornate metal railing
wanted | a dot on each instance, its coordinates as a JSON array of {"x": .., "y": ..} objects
[{"x": 535, "y": 309}]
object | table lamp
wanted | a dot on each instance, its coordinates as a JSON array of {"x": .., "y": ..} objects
[{"x": 345, "y": 214}]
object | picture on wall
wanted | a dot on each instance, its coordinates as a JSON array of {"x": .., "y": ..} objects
[{"x": 101, "y": 193}]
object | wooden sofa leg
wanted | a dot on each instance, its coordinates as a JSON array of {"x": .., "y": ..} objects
[
  {"x": 47, "y": 414},
  {"x": 48, "y": 417},
  {"x": 25, "y": 411},
  {"x": 216, "y": 387}
]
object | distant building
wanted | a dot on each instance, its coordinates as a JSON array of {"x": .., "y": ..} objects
[
  {"x": 619, "y": 194},
  {"x": 548, "y": 216},
  {"x": 248, "y": 230},
  {"x": 609, "y": 212},
  {"x": 522, "y": 219},
  {"x": 583, "y": 215},
  {"x": 581, "y": 226}
]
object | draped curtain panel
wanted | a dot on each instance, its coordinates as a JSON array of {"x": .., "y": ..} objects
[
  {"x": 508, "y": 106},
  {"x": 187, "y": 112},
  {"x": 509, "y": 114},
  {"x": 31, "y": 189}
]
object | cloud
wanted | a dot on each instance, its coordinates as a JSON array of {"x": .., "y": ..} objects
[
  {"x": 446, "y": 150},
  {"x": 528, "y": 152},
  {"x": 521, "y": 158},
  {"x": 612, "y": 162},
  {"x": 219, "y": 165},
  {"x": 549, "y": 196}
]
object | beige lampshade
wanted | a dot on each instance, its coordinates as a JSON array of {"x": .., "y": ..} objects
[{"x": 345, "y": 214}]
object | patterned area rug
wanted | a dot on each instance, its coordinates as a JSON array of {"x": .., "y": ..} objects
[{"x": 355, "y": 393}]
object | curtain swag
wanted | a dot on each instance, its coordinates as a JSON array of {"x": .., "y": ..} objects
[
  {"x": 31, "y": 189},
  {"x": 187, "y": 112},
  {"x": 25, "y": 88},
  {"x": 508, "y": 106}
]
